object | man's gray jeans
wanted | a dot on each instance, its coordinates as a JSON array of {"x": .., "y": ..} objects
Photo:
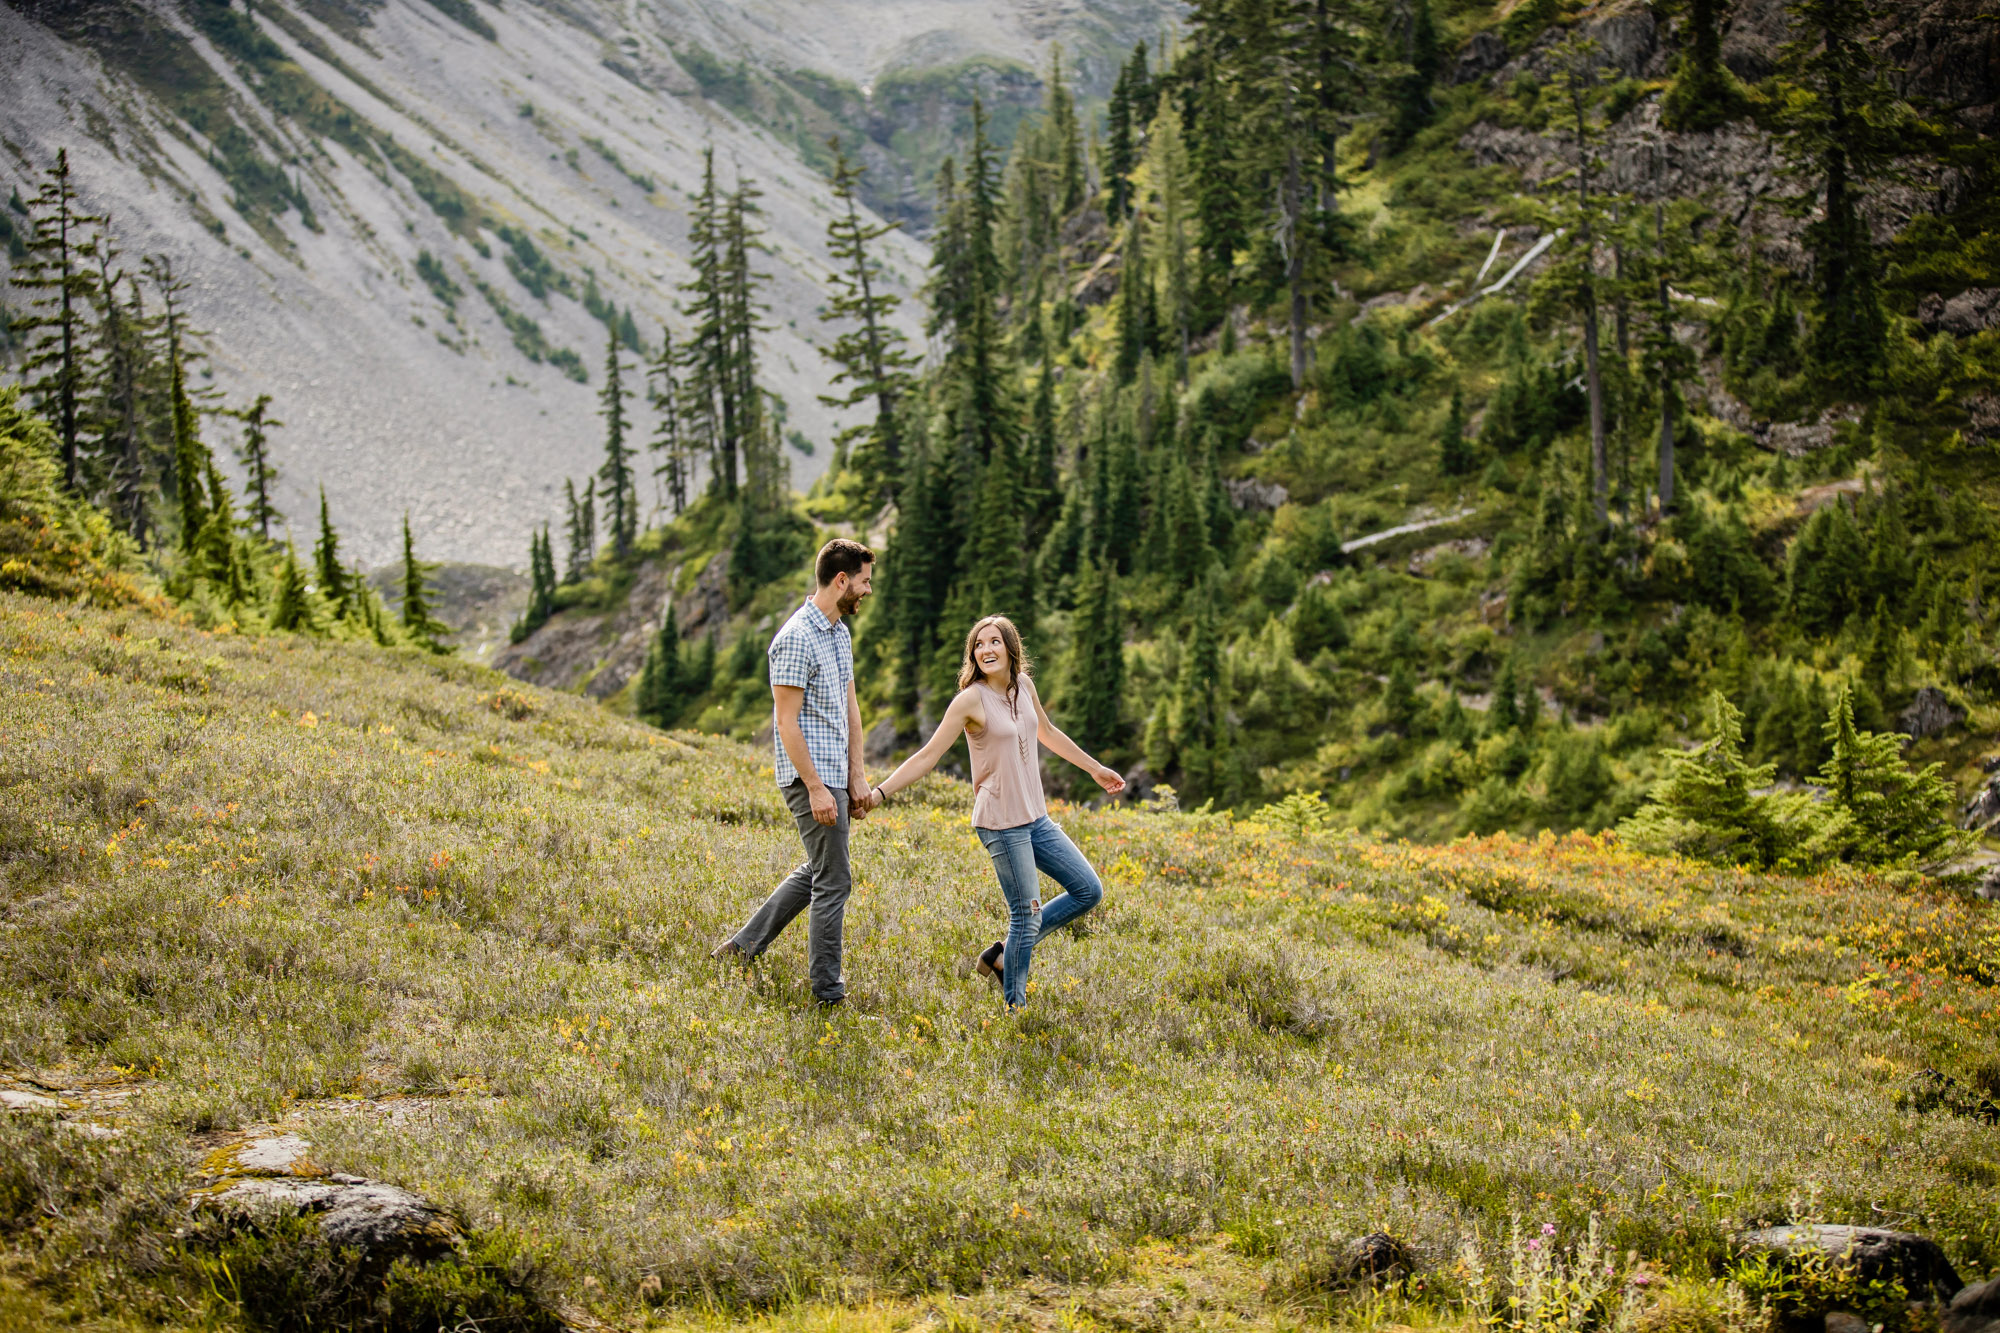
[{"x": 821, "y": 881}]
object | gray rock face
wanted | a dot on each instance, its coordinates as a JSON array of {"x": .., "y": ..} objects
[
  {"x": 1929, "y": 714},
  {"x": 1481, "y": 56},
  {"x": 881, "y": 741},
  {"x": 385, "y": 1221},
  {"x": 1975, "y": 1309},
  {"x": 1984, "y": 807},
  {"x": 1972, "y": 311},
  {"x": 1874, "y": 1253}
]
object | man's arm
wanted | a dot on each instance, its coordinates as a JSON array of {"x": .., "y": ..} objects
[
  {"x": 790, "y": 699},
  {"x": 858, "y": 803}
]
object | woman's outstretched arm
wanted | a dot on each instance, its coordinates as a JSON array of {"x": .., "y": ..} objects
[
  {"x": 1059, "y": 743},
  {"x": 924, "y": 760}
]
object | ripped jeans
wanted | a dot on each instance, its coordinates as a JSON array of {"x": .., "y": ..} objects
[{"x": 1018, "y": 853}]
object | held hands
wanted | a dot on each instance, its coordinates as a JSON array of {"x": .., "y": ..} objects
[
  {"x": 861, "y": 802},
  {"x": 1108, "y": 779}
]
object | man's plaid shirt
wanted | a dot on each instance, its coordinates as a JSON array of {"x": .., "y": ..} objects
[{"x": 815, "y": 655}]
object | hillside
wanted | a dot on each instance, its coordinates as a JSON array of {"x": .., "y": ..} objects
[
  {"x": 298, "y": 160},
  {"x": 451, "y": 932},
  {"x": 1378, "y": 551}
]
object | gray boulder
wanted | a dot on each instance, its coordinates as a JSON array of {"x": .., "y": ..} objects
[
  {"x": 1481, "y": 56},
  {"x": 385, "y": 1222},
  {"x": 1975, "y": 1309},
  {"x": 1972, "y": 311},
  {"x": 1873, "y": 1252},
  {"x": 1929, "y": 714}
]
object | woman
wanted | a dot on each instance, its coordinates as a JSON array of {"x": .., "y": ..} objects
[{"x": 1001, "y": 713}]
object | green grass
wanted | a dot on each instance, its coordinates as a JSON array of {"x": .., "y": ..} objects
[{"x": 260, "y": 877}]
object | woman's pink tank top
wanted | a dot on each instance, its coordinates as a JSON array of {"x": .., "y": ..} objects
[{"x": 1006, "y": 768}]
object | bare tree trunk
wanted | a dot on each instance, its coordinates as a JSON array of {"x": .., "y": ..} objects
[
  {"x": 1600, "y": 471},
  {"x": 1292, "y": 202},
  {"x": 1666, "y": 373}
]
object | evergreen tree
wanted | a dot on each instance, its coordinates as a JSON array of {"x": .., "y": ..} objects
[
  {"x": 662, "y": 692},
  {"x": 711, "y": 409},
  {"x": 423, "y": 628},
  {"x": 331, "y": 575},
  {"x": 1124, "y": 120},
  {"x": 1096, "y": 675},
  {"x": 261, "y": 475},
  {"x": 1887, "y": 815},
  {"x": 218, "y": 555},
  {"x": 1317, "y": 623},
  {"x": 541, "y": 586},
  {"x": 1135, "y": 305},
  {"x": 190, "y": 455},
  {"x": 1843, "y": 126},
  {"x": 754, "y": 431},
  {"x": 620, "y": 494},
  {"x": 291, "y": 608},
  {"x": 1576, "y": 276},
  {"x": 1221, "y": 209},
  {"x": 1199, "y": 732},
  {"x": 1707, "y": 806},
  {"x": 1066, "y": 137},
  {"x": 872, "y": 357},
  {"x": 582, "y": 529},
  {"x": 1424, "y": 58},
  {"x": 669, "y": 442},
  {"x": 999, "y": 564},
  {"x": 123, "y": 333},
  {"x": 57, "y": 267},
  {"x": 1455, "y": 458},
  {"x": 1043, "y": 483},
  {"x": 1704, "y": 94}
]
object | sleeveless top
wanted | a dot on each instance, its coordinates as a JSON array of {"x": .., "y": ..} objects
[{"x": 1006, "y": 772}]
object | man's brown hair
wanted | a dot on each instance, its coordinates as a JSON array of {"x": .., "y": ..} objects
[{"x": 841, "y": 556}]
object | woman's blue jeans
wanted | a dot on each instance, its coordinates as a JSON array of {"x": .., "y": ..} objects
[{"x": 1017, "y": 854}]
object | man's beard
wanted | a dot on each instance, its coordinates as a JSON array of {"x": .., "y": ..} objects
[{"x": 850, "y": 603}]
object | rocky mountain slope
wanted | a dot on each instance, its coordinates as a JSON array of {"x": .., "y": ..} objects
[{"x": 299, "y": 158}]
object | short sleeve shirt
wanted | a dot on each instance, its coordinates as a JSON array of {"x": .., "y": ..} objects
[{"x": 816, "y": 655}]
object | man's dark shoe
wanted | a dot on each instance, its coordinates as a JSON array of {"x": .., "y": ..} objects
[
  {"x": 990, "y": 961},
  {"x": 833, "y": 1003}
]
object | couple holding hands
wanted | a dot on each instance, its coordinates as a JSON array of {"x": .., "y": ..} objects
[{"x": 817, "y": 731}]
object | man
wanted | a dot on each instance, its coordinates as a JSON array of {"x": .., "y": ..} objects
[{"x": 816, "y": 725}]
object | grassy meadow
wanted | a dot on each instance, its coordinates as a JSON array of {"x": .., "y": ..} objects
[{"x": 282, "y": 880}]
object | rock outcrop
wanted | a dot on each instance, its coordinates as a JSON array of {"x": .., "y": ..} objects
[
  {"x": 1874, "y": 1253},
  {"x": 1929, "y": 714},
  {"x": 1975, "y": 1309}
]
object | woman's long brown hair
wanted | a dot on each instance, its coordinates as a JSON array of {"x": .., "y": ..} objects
[{"x": 1017, "y": 657}]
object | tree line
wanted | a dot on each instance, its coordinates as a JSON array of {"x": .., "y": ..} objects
[{"x": 108, "y": 358}]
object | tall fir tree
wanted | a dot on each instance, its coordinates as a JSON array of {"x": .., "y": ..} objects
[
  {"x": 1844, "y": 126},
  {"x": 872, "y": 356},
  {"x": 621, "y": 497},
  {"x": 260, "y": 473},
  {"x": 119, "y": 403},
  {"x": 419, "y": 623},
  {"x": 190, "y": 455},
  {"x": 1423, "y": 59},
  {"x": 1455, "y": 457},
  {"x": 58, "y": 268},
  {"x": 331, "y": 574},
  {"x": 581, "y": 529},
  {"x": 291, "y": 606},
  {"x": 1095, "y": 679},
  {"x": 710, "y": 409}
]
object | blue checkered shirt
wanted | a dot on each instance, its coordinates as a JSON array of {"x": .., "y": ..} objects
[{"x": 816, "y": 655}]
